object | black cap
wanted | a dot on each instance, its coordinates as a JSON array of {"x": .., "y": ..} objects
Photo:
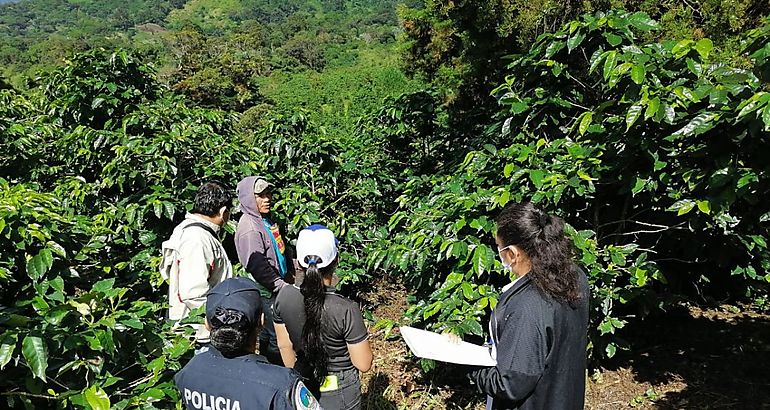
[{"x": 240, "y": 294}]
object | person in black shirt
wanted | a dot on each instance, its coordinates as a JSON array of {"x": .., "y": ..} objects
[
  {"x": 227, "y": 375},
  {"x": 539, "y": 327},
  {"x": 320, "y": 333}
]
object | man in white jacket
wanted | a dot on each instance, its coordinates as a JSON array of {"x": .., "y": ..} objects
[{"x": 201, "y": 259}]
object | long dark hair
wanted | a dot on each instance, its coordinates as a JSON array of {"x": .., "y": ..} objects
[
  {"x": 313, "y": 353},
  {"x": 542, "y": 238}
]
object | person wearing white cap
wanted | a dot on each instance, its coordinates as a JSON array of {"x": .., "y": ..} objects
[{"x": 322, "y": 334}]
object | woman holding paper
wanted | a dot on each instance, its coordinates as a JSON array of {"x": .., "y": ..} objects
[{"x": 538, "y": 328}]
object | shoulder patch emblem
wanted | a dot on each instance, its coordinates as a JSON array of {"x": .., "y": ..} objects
[{"x": 303, "y": 399}]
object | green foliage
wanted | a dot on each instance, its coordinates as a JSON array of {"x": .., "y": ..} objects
[
  {"x": 653, "y": 152},
  {"x": 411, "y": 129},
  {"x": 215, "y": 53},
  {"x": 336, "y": 97},
  {"x": 348, "y": 184},
  {"x": 60, "y": 333},
  {"x": 96, "y": 87},
  {"x": 652, "y": 113},
  {"x": 99, "y": 188},
  {"x": 42, "y": 33},
  {"x": 224, "y": 54},
  {"x": 461, "y": 47},
  {"x": 82, "y": 323},
  {"x": 653, "y": 155}
]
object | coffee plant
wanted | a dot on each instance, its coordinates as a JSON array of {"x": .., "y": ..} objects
[
  {"x": 89, "y": 191},
  {"x": 653, "y": 153}
]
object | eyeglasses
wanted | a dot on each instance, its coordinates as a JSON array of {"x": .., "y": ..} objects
[{"x": 500, "y": 251}]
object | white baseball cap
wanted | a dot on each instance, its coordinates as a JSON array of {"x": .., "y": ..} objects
[{"x": 316, "y": 240}]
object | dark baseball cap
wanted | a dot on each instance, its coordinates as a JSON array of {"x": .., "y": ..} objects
[{"x": 240, "y": 294}]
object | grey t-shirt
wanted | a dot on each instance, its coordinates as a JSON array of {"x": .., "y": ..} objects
[{"x": 341, "y": 318}]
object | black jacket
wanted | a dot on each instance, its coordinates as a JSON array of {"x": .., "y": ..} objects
[{"x": 541, "y": 350}]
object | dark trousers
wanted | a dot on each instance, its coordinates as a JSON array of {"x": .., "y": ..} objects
[
  {"x": 348, "y": 394},
  {"x": 268, "y": 343}
]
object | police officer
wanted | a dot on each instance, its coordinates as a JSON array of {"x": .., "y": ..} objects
[{"x": 228, "y": 375}]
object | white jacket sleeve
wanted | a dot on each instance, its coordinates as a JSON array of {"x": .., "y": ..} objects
[{"x": 196, "y": 259}]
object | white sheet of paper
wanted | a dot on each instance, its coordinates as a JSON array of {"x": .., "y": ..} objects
[{"x": 431, "y": 345}]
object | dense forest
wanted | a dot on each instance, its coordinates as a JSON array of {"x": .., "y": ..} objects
[{"x": 404, "y": 126}]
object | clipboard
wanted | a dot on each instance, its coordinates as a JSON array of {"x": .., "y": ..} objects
[{"x": 432, "y": 345}]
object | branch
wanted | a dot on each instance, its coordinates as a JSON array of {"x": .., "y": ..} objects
[
  {"x": 667, "y": 228},
  {"x": 25, "y": 394},
  {"x": 652, "y": 225},
  {"x": 573, "y": 78},
  {"x": 676, "y": 260},
  {"x": 123, "y": 392},
  {"x": 578, "y": 105}
]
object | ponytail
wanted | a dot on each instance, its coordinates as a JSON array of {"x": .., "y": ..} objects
[
  {"x": 550, "y": 252},
  {"x": 313, "y": 352}
]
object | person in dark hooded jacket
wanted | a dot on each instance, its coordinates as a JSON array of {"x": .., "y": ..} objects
[{"x": 262, "y": 251}]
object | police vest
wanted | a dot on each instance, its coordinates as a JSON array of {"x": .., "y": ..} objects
[{"x": 211, "y": 381}]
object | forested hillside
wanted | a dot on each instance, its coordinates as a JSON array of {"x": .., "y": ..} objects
[
  {"x": 235, "y": 55},
  {"x": 405, "y": 128}
]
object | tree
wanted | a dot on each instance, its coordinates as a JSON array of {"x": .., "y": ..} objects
[
  {"x": 654, "y": 155},
  {"x": 459, "y": 46}
]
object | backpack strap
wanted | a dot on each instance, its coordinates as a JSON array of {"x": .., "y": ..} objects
[{"x": 204, "y": 227}]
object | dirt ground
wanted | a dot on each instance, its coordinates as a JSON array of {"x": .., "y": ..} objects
[{"x": 689, "y": 358}]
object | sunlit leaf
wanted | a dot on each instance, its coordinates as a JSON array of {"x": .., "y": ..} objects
[
  {"x": 7, "y": 345},
  {"x": 632, "y": 115},
  {"x": 36, "y": 354},
  {"x": 638, "y": 73},
  {"x": 97, "y": 398}
]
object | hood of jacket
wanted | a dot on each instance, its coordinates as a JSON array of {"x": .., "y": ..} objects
[{"x": 246, "y": 197}]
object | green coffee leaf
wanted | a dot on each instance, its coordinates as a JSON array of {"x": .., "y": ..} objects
[
  {"x": 704, "y": 47},
  {"x": 609, "y": 63},
  {"x": 585, "y": 121},
  {"x": 698, "y": 125},
  {"x": 637, "y": 73},
  {"x": 652, "y": 108},
  {"x": 632, "y": 115},
  {"x": 704, "y": 206},
  {"x": 694, "y": 67},
  {"x": 537, "y": 176},
  {"x": 575, "y": 40},
  {"x": 682, "y": 48},
  {"x": 35, "y": 353},
  {"x": 613, "y": 39},
  {"x": 103, "y": 285},
  {"x": 38, "y": 265},
  {"x": 682, "y": 207},
  {"x": 97, "y": 398},
  {"x": 759, "y": 240},
  {"x": 7, "y": 346},
  {"x": 642, "y": 21},
  {"x": 467, "y": 290}
]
